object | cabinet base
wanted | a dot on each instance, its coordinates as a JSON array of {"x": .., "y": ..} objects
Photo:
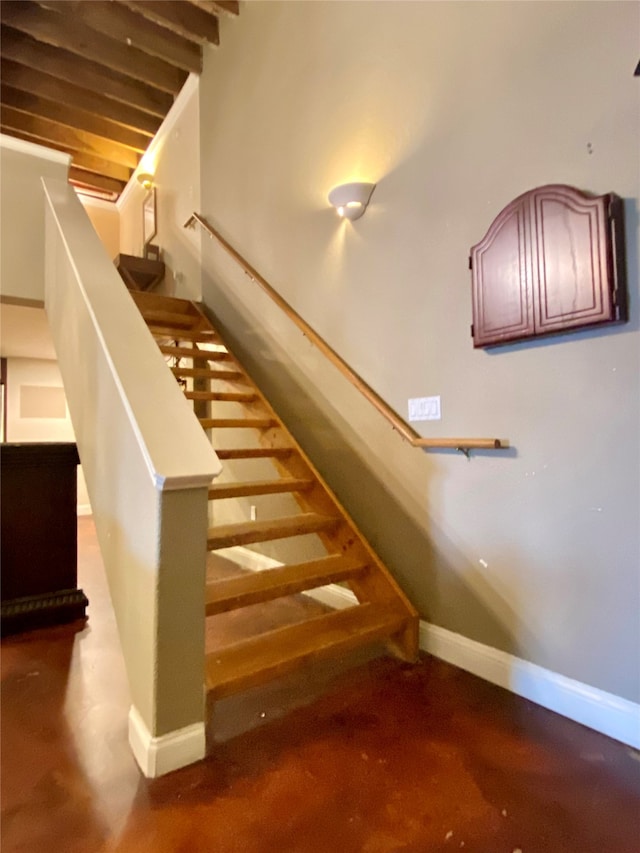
[{"x": 39, "y": 611}]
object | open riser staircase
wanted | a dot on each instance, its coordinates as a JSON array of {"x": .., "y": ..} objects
[{"x": 227, "y": 402}]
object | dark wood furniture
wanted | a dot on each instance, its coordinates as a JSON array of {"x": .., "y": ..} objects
[
  {"x": 38, "y": 530},
  {"x": 552, "y": 261},
  {"x": 140, "y": 273}
]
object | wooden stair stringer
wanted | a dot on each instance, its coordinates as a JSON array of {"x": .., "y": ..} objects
[{"x": 378, "y": 585}]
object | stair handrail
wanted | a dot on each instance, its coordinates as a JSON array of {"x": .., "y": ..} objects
[{"x": 398, "y": 424}]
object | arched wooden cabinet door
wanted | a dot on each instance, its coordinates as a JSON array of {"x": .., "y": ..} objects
[{"x": 552, "y": 261}]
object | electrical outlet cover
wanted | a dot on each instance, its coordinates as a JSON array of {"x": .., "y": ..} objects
[{"x": 424, "y": 409}]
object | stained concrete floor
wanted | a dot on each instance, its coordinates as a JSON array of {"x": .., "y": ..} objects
[{"x": 377, "y": 758}]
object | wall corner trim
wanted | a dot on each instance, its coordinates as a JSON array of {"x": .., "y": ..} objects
[
  {"x": 604, "y": 712},
  {"x": 159, "y": 755}
]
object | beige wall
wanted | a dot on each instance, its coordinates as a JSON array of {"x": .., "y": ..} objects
[
  {"x": 105, "y": 218},
  {"x": 453, "y": 109},
  {"x": 22, "y": 215},
  {"x": 174, "y": 160},
  {"x": 34, "y": 374}
]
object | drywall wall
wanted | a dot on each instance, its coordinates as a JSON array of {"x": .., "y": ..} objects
[
  {"x": 453, "y": 109},
  {"x": 105, "y": 218},
  {"x": 25, "y": 333},
  {"x": 534, "y": 551},
  {"x": 34, "y": 413},
  {"x": 174, "y": 161},
  {"x": 147, "y": 475},
  {"x": 22, "y": 164}
]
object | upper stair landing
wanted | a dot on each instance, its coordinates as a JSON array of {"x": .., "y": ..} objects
[{"x": 247, "y": 431}]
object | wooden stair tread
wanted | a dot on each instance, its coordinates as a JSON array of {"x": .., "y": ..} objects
[
  {"x": 146, "y": 300},
  {"x": 207, "y": 373},
  {"x": 158, "y": 317},
  {"x": 258, "y": 487},
  {"x": 253, "y": 452},
  {"x": 237, "y": 423},
  {"x": 222, "y": 396},
  {"x": 197, "y": 354},
  {"x": 265, "y": 530},
  {"x": 178, "y": 334},
  {"x": 255, "y": 587},
  {"x": 268, "y": 656}
]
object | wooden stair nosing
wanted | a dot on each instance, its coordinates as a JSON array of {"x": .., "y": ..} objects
[
  {"x": 247, "y": 532},
  {"x": 255, "y": 587},
  {"x": 208, "y": 373},
  {"x": 236, "y": 423},
  {"x": 157, "y": 317},
  {"x": 219, "y": 491},
  {"x": 196, "y": 354},
  {"x": 199, "y": 336},
  {"x": 222, "y": 396},
  {"x": 269, "y": 656},
  {"x": 146, "y": 300},
  {"x": 253, "y": 452}
]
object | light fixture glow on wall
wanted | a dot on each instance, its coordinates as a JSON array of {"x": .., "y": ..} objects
[
  {"x": 146, "y": 180},
  {"x": 351, "y": 200}
]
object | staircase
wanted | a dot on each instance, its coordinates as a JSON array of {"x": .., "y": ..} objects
[{"x": 227, "y": 402}]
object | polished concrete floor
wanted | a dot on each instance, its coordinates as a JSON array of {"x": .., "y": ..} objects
[{"x": 379, "y": 758}]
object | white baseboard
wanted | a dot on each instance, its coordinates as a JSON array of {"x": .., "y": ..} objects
[
  {"x": 159, "y": 755},
  {"x": 607, "y": 713},
  {"x": 84, "y": 509}
]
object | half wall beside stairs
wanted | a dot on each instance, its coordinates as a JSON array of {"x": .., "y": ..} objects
[{"x": 148, "y": 467}]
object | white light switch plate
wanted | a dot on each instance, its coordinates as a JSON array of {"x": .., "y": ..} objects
[{"x": 424, "y": 409}]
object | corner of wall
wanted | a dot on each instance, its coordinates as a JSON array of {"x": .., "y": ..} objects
[{"x": 156, "y": 756}]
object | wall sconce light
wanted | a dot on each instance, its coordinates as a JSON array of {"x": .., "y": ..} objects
[
  {"x": 351, "y": 200},
  {"x": 146, "y": 180}
]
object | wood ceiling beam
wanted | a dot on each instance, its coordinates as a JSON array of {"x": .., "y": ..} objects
[
  {"x": 130, "y": 29},
  {"x": 100, "y": 182},
  {"x": 45, "y": 86},
  {"x": 219, "y": 7},
  {"x": 182, "y": 18},
  {"x": 65, "y": 66},
  {"x": 70, "y": 138},
  {"x": 55, "y": 29},
  {"x": 98, "y": 165},
  {"x": 62, "y": 114}
]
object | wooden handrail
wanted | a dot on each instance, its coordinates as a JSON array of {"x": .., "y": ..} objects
[{"x": 407, "y": 432}]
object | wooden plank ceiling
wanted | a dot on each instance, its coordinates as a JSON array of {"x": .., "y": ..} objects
[{"x": 95, "y": 78}]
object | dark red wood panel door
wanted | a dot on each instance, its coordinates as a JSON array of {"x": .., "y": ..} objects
[
  {"x": 502, "y": 295},
  {"x": 551, "y": 261},
  {"x": 574, "y": 282}
]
